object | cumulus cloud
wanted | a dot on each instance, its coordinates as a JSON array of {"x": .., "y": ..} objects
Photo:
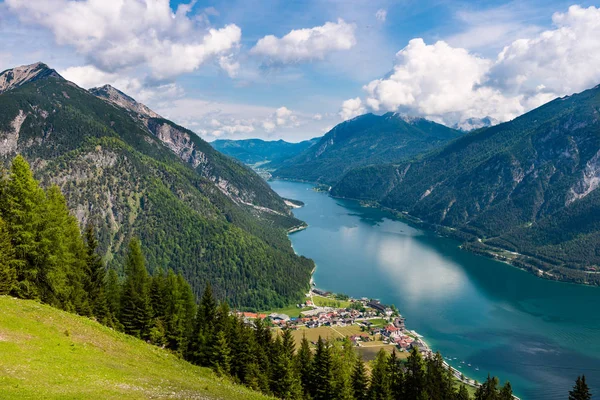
[
  {"x": 114, "y": 35},
  {"x": 352, "y": 108},
  {"x": 89, "y": 76},
  {"x": 309, "y": 44},
  {"x": 282, "y": 117},
  {"x": 381, "y": 15},
  {"x": 450, "y": 84}
]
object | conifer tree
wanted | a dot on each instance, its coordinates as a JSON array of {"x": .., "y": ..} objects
[
  {"x": 581, "y": 390},
  {"x": 304, "y": 366},
  {"x": 199, "y": 350},
  {"x": 380, "y": 384},
  {"x": 440, "y": 384},
  {"x": 136, "y": 312},
  {"x": 221, "y": 354},
  {"x": 396, "y": 376},
  {"x": 95, "y": 284},
  {"x": 344, "y": 358},
  {"x": 463, "y": 393},
  {"x": 415, "y": 376},
  {"x": 285, "y": 380},
  {"x": 506, "y": 392},
  {"x": 113, "y": 296},
  {"x": 488, "y": 390},
  {"x": 8, "y": 273},
  {"x": 22, "y": 209},
  {"x": 322, "y": 372},
  {"x": 360, "y": 381}
]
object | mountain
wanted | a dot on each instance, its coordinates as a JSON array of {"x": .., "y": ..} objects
[
  {"x": 131, "y": 172},
  {"x": 40, "y": 344},
  {"x": 528, "y": 186},
  {"x": 12, "y": 78},
  {"x": 254, "y": 151},
  {"x": 470, "y": 124},
  {"x": 367, "y": 139}
]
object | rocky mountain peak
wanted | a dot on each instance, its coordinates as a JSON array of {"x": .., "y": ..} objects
[
  {"x": 470, "y": 124},
  {"x": 18, "y": 76},
  {"x": 115, "y": 96}
]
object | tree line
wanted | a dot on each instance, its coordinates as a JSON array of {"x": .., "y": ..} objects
[{"x": 44, "y": 256}]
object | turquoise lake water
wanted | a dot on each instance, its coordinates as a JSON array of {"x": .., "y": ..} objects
[{"x": 536, "y": 333}]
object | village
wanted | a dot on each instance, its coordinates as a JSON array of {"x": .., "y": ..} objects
[{"x": 367, "y": 323}]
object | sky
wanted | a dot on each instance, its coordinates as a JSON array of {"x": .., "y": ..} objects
[{"x": 294, "y": 69}]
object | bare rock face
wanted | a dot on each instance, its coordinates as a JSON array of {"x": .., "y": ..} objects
[
  {"x": 9, "y": 140},
  {"x": 115, "y": 96},
  {"x": 15, "y": 77}
]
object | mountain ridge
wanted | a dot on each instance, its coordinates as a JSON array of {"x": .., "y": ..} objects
[
  {"x": 196, "y": 211},
  {"x": 526, "y": 186},
  {"x": 363, "y": 140}
]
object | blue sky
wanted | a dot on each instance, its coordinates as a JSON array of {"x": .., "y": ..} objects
[{"x": 294, "y": 69}]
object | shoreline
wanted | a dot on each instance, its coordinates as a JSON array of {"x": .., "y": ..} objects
[
  {"x": 447, "y": 232},
  {"x": 455, "y": 372}
]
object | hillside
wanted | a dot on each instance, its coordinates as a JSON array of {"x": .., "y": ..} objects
[
  {"x": 364, "y": 140},
  {"x": 131, "y": 172},
  {"x": 254, "y": 151},
  {"x": 526, "y": 186},
  {"x": 52, "y": 354}
]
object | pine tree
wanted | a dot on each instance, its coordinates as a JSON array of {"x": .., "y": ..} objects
[
  {"x": 396, "y": 376},
  {"x": 322, "y": 372},
  {"x": 506, "y": 392},
  {"x": 136, "y": 312},
  {"x": 415, "y": 376},
  {"x": 304, "y": 366},
  {"x": 8, "y": 273},
  {"x": 199, "y": 347},
  {"x": 285, "y": 381},
  {"x": 463, "y": 393},
  {"x": 360, "y": 381},
  {"x": 344, "y": 358},
  {"x": 488, "y": 390},
  {"x": 439, "y": 382},
  {"x": 221, "y": 354},
  {"x": 22, "y": 209},
  {"x": 113, "y": 297},
  {"x": 581, "y": 390},
  {"x": 380, "y": 383},
  {"x": 95, "y": 284}
]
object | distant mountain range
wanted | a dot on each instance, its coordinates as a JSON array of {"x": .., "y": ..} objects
[
  {"x": 132, "y": 172},
  {"x": 524, "y": 191},
  {"x": 367, "y": 139},
  {"x": 262, "y": 152}
]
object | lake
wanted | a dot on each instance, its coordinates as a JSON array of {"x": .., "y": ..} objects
[{"x": 536, "y": 333}]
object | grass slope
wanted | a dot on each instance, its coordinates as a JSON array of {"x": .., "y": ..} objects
[{"x": 46, "y": 353}]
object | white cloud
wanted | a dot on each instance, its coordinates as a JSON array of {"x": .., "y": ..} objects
[
  {"x": 309, "y": 44},
  {"x": 352, "y": 108},
  {"x": 114, "y": 35},
  {"x": 281, "y": 118},
  {"x": 381, "y": 15},
  {"x": 318, "y": 117},
  {"x": 450, "y": 84},
  {"x": 89, "y": 76}
]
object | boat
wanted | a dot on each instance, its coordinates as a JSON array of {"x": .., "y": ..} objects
[{"x": 469, "y": 365}]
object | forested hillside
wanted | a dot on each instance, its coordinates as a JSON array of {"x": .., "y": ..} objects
[
  {"x": 196, "y": 210},
  {"x": 364, "y": 140},
  {"x": 527, "y": 186},
  {"x": 257, "y": 151}
]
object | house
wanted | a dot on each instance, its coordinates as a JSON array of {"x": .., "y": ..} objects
[
  {"x": 278, "y": 318},
  {"x": 376, "y": 305},
  {"x": 399, "y": 323},
  {"x": 320, "y": 292},
  {"x": 392, "y": 332}
]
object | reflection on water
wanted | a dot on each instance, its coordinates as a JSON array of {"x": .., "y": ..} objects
[{"x": 538, "y": 334}]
